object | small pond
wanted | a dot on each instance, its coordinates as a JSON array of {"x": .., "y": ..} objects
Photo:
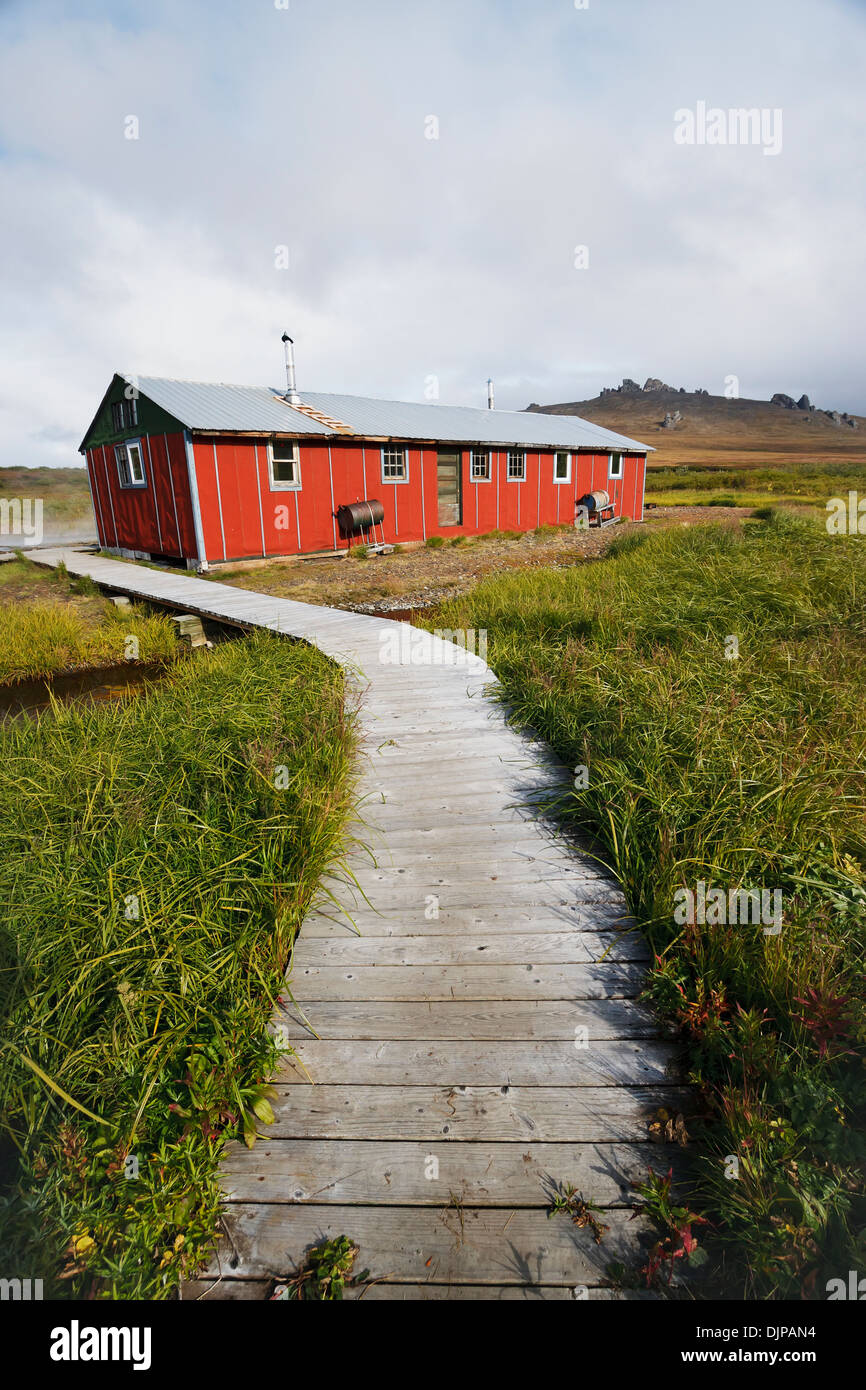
[{"x": 103, "y": 683}]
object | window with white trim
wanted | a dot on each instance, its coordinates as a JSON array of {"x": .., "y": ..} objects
[
  {"x": 124, "y": 414},
  {"x": 479, "y": 465},
  {"x": 284, "y": 464},
  {"x": 394, "y": 467},
  {"x": 130, "y": 464},
  {"x": 561, "y": 467},
  {"x": 615, "y": 466},
  {"x": 516, "y": 466}
]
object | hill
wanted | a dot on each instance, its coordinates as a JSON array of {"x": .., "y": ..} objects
[{"x": 716, "y": 431}]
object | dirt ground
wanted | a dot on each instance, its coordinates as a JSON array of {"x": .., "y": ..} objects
[{"x": 422, "y": 577}]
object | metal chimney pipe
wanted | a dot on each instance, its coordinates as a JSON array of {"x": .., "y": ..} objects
[
  {"x": 490, "y": 393},
  {"x": 292, "y": 391}
]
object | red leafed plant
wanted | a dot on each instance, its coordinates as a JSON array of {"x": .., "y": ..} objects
[
  {"x": 680, "y": 1243},
  {"x": 828, "y": 1018}
]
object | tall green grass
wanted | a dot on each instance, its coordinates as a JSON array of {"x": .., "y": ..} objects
[
  {"x": 739, "y": 772},
  {"x": 50, "y": 622},
  {"x": 804, "y": 482},
  {"x": 156, "y": 859},
  {"x": 47, "y": 638}
]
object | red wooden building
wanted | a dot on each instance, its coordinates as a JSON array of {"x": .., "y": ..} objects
[{"x": 202, "y": 473}]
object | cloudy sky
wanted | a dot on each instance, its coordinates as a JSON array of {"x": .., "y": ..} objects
[{"x": 299, "y": 131}]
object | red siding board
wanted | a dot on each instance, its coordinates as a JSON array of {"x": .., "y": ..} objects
[{"x": 157, "y": 518}]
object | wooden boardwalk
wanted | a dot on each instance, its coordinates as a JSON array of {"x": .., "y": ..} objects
[{"x": 465, "y": 1029}]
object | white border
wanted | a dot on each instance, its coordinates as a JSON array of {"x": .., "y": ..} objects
[
  {"x": 392, "y": 448},
  {"x": 522, "y": 478},
  {"x": 566, "y": 481},
  {"x": 273, "y": 485},
  {"x": 489, "y": 478},
  {"x": 126, "y": 444}
]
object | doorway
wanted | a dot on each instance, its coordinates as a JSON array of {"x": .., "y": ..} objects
[{"x": 448, "y": 470}]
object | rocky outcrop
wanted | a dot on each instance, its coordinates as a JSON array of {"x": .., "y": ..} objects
[
  {"x": 804, "y": 403},
  {"x": 840, "y": 420},
  {"x": 786, "y": 402},
  {"x": 652, "y": 383},
  {"x": 671, "y": 420}
]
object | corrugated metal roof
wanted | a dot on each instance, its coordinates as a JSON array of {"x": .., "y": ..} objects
[{"x": 216, "y": 406}]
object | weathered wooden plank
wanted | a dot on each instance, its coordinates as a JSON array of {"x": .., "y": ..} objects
[
  {"x": 462, "y": 1245},
  {"x": 398, "y": 897},
  {"x": 569, "y": 948},
  {"x": 408, "y": 1173},
  {"x": 382, "y": 816},
  {"x": 468, "y": 1019},
  {"x": 580, "y": 1114},
  {"x": 258, "y": 1290},
  {"x": 597, "y": 919},
  {"x": 467, "y": 982},
  {"x": 443, "y": 1062},
  {"x": 229, "y": 1289},
  {"x": 482, "y": 869},
  {"x": 509, "y": 843},
  {"x": 537, "y": 852}
]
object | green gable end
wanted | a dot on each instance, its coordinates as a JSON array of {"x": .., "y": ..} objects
[{"x": 152, "y": 419}]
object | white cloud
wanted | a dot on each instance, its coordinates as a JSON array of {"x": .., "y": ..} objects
[{"x": 411, "y": 257}]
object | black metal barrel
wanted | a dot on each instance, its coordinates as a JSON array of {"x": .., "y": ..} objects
[{"x": 354, "y": 517}]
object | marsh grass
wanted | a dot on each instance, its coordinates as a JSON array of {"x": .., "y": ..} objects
[
  {"x": 748, "y": 772},
  {"x": 153, "y": 877},
  {"x": 50, "y": 622},
  {"x": 800, "y": 482}
]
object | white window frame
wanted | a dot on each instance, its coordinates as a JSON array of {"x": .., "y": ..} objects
[
  {"x": 395, "y": 449},
  {"x": 513, "y": 454},
  {"x": 487, "y": 455},
  {"x": 568, "y": 462},
  {"x": 122, "y": 460},
  {"x": 277, "y": 484},
  {"x": 615, "y": 474}
]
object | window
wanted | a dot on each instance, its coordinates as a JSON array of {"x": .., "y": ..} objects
[
  {"x": 615, "y": 466},
  {"x": 561, "y": 467},
  {"x": 130, "y": 464},
  {"x": 284, "y": 464},
  {"x": 124, "y": 414},
  {"x": 516, "y": 466},
  {"x": 394, "y": 468},
  {"x": 479, "y": 466}
]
